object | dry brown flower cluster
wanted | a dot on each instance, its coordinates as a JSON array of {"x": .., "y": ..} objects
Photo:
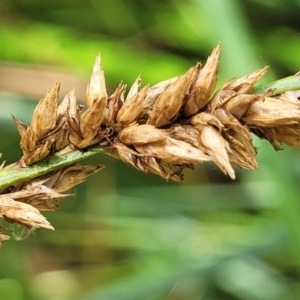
[{"x": 162, "y": 129}]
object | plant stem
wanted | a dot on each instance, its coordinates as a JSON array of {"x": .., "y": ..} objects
[
  {"x": 14, "y": 174},
  {"x": 291, "y": 83}
]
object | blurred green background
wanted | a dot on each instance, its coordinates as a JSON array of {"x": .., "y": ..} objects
[{"x": 133, "y": 236}]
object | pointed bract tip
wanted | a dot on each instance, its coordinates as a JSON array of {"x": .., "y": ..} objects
[{"x": 98, "y": 59}]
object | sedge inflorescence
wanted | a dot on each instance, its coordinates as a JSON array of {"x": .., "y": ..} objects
[{"x": 161, "y": 129}]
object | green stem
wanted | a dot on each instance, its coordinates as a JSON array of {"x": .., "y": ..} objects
[
  {"x": 291, "y": 83},
  {"x": 15, "y": 174}
]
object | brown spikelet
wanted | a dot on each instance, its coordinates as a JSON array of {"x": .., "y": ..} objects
[
  {"x": 168, "y": 104},
  {"x": 141, "y": 134},
  {"x": 153, "y": 93},
  {"x": 132, "y": 108},
  {"x": 204, "y": 85},
  {"x": 86, "y": 128},
  {"x": 217, "y": 148},
  {"x": 114, "y": 104},
  {"x": 96, "y": 89},
  {"x": 173, "y": 151},
  {"x": 245, "y": 84},
  {"x": 45, "y": 113},
  {"x": 270, "y": 112},
  {"x": 186, "y": 133},
  {"x": 206, "y": 119},
  {"x": 22, "y": 213}
]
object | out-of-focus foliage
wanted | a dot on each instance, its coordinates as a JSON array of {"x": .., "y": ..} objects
[{"x": 128, "y": 235}]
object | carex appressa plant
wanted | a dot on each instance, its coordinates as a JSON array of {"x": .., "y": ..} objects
[{"x": 161, "y": 129}]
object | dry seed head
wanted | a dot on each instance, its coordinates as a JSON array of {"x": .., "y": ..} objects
[
  {"x": 45, "y": 113},
  {"x": 230, "y": 122},
  {"x": 134, "y": 88},
  {"x": 155, "y": 91},
  {"x": 42, "y": 198},
  {"x": 166, "y": 171},
  {"x": 63, "y": 107},
  {"x": 72, "y": 176},
  {"x": 141, "y": 134},
  {"x": 239, "y": 105},
  {"x": 196, "y": 128},
  {"x": 22, "y": 213},
  {"x": 126, "y": 154},
  {"x": 243, "y": 153},
  {"x": 204, "y": 85},
  {"x": 91, "y": 120},
  {"x": 245, "y": 84},
  {"x": 185, "y": 133},
  {"x": 132, "y": 108},
  {"x": 73, "y": 118},
  {"x": 168, "y": 104},
  {"x": 273, "y": 112},
  {"x": 114, "y": 104},
  {"x": 37, "y": 154},
  {"x": 172, "y": 151},
  {"x": 96, "y": 88},
  {"x": 85, "y": 128},
  {"x": 217, "y": 148},
  {"x": 206, "y": 119},
  {"x": 289, "y": 135},
  {"x": 221, "y": 97}
]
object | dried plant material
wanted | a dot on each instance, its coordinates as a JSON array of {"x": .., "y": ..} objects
[
  {"x": 45, "y": 113},
  {"x": 163, "y": 169},
  {"x": 146, "y": 163},
  {"x": 141, "y": 134},
  {"x": 132, "y": 108},
  {"x": 186, "y": 133},
  {"x": 231, "y": 89},
  {"x": 22, "y": 213},
  {"x": 134, "y": 88},
  {"x": 204, "y": 85},
  {"x": 221, "y": 97},
  {"x": 73, "y": 118},
  {"x": 245, "y": 84},
  {"x": 271, "y": 112},
  {"x": 239, "y": 105},
  {"x": 40, "y": 197},
  {"x": 72, "y": 176},
  {"x": 289, "y": 135},
  {"x": 3, "y": 237},
  {"x": 172, "y": 151},
  {"x": 230, "y": 122},
  {"x": 217, "y": 148},
  {"x": 163, "y": 129},
  {"x": 242, "y": 152},
  {"x": 114, "y": 104},
  {"x": 206, "y": 119},
  {"x": 154, "y": 92},
  {"x": 33, "y": 143},
  {"x": 168, "y": 104},
  {"x": 24, "y": 201},
  {"x": 86, "y": 128},
  {"x": 62, "y": 129},
  {"x": 96, "y": 89},
  {"x": 126, "y": 154},
  {"x": 39, "y": 153}
]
